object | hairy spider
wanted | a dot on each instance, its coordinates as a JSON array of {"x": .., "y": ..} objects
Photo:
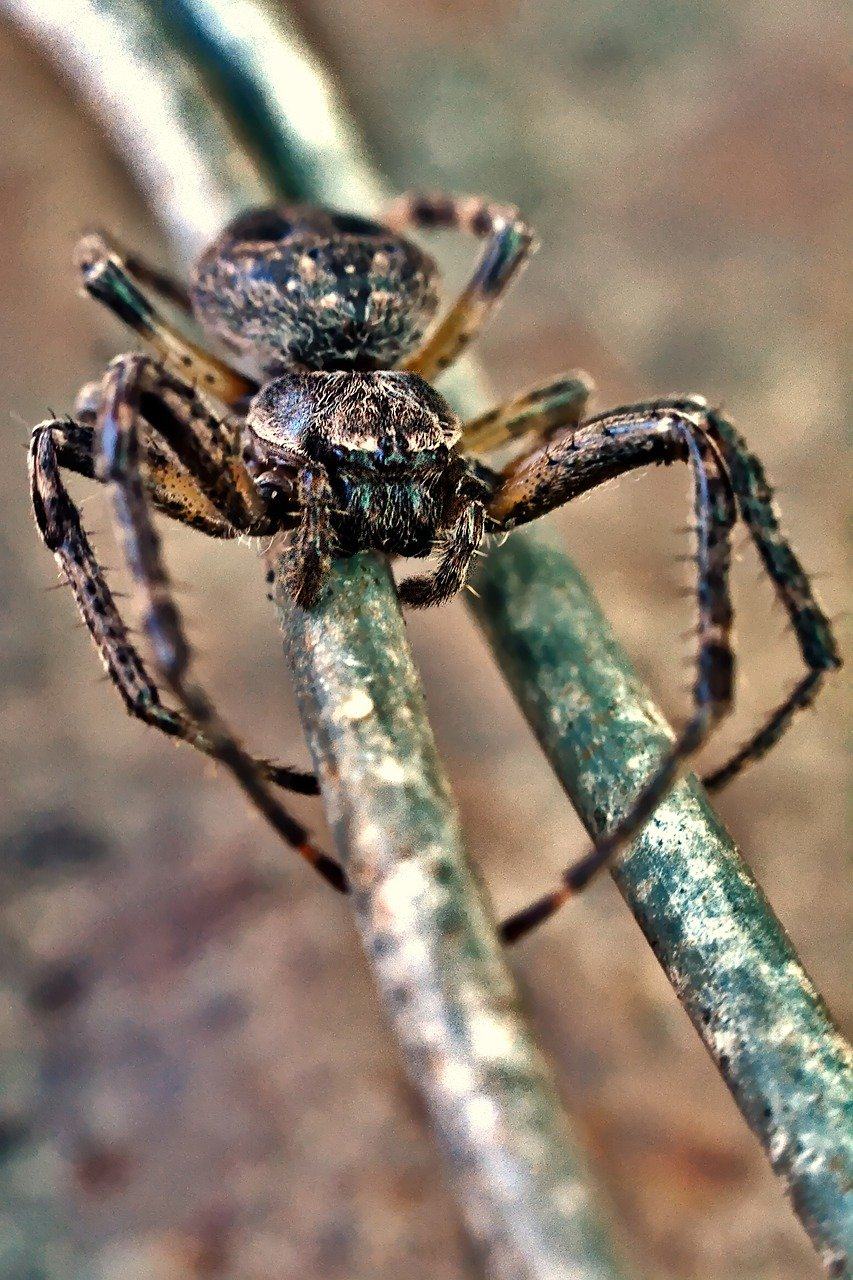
[{"x": 336, "y": 436}]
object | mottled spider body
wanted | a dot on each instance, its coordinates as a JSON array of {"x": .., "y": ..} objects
[
  {"x": 304, "y": 288},
  {"x": 332, "y": 436},
  {"x": 386, "y": 445}
]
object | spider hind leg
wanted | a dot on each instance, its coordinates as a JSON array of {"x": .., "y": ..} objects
[{"x": 509, "y": 243}]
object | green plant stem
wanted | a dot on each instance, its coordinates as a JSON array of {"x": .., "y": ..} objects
[{"x": 725, "y": 953}]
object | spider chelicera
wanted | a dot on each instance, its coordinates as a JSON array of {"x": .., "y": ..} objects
[{"x": 336, "y": 436}]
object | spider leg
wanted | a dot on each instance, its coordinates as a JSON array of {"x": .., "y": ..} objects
[
  {"x": 543, "y": 411},
  {"x": 509, "y": 242},
  {"x": 119, "y": 463},
  {"x": 466, "y": 534},
  {"x": 204, "y": 442},
  {"x": 107, "y": 279},
  {"x": 310, "y": 545},
  {"x": 575, "y": 462},
  {"x": 150, "y": 276},
  {"x": 54, "y": 444},
  {"x": 171, "y": 489},
  {"x": 816, "y": 642}
]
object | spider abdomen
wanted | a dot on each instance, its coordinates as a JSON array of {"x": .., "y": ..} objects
[{"x": 305, "y": 287}]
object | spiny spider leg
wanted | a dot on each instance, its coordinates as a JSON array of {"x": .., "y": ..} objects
[
  {"x": 173, "y": 492},
  {"x": 543, "y": 410},
  {"x": 60, "y": 443},
  {"x": 754, "y": 497},
  {"x": 118, "y": 463},
  {"x": 107, "y": 279},
  {"x": 204, "y": 442},
  {"x": 575, "y": 462},
  {"x": 816, "y": 642},
  {"x": 509, "y": 242},
  {"x": 465, "y": 537}
]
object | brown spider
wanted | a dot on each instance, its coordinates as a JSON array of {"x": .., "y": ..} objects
[{"x": 337, "y": 437}]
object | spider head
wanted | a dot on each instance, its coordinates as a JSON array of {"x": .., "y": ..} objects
[
  {"x": 384, "y": 443},
  {"x": 312, "y": 289}
]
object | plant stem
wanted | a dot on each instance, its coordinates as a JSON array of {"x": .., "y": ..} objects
[
  {"x": 725, "y": 953},
  {"x": 429, "y": 934}
]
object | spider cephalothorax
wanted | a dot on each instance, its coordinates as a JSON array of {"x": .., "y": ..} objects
[
  {"x": 371, "y": 459},
  {"x": 332, "y": 436}
]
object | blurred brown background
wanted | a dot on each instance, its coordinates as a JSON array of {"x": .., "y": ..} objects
[{"x": 196, "y": 1081}]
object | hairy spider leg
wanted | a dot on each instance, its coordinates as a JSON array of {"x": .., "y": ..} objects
[
  {"x": 575, "y": 462},
  {"x": 310, "y": 557},
  {"x": 118, "y": 463},
  {"x": 542, "y": 410},
  {"x": 171, "y": 489},
  {"x": 60, "y": 443},
  {"x": 204, "y": 441},
  {"x": 463, "y": 540},
  {"x": 509, "y": 243},
  {"x": 813, "y": 631},
  {"x": 107, "y": 279}
]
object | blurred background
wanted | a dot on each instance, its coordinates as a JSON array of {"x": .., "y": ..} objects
[{"x": 195, "y": 1078}]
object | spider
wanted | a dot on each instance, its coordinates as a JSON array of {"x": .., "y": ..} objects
[{"x": 336, "y": 436}]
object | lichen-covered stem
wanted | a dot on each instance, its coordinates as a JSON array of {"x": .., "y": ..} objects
[
  {"x": 731, "y": 963},
  {"x": 430, "y": 936}
]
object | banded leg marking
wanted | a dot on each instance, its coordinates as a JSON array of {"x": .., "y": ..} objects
[
  {"x": 107, "y": 279},
  {"x": 59, "y": 524},
  {"x": 542, "y": 411},
  {"x": 509, "y": 243}
]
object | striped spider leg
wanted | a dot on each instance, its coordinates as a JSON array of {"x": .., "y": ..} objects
[
  {"x": 202, "y": 491},
  {"x": 509, "y": 243},
  {"x": 728, "y": 481}
]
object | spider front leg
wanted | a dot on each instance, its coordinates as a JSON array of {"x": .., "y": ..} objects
[
  {"x": 62, "y": 443},
  {"x": 119, "y": 465},
  {"x": 576, "y": 462},
  {"x": 509, "y": 243},
  {"x": 816, "y": 642}
]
